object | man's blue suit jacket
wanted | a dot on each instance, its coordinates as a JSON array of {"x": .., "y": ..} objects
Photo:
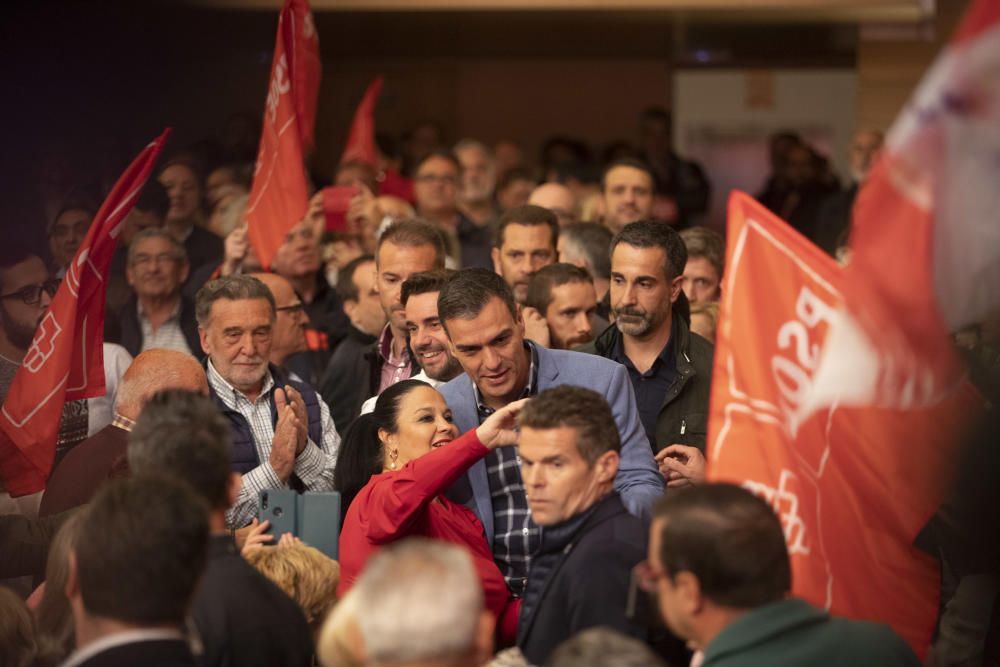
[{"x": 638, "y": 482}]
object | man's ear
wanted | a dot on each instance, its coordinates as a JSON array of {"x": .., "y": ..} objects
[
  {"x": 72, "y": 589},
  {"x": 233, "y": 488},
  {"x": 185, "y": 272},
  {"x": 689, "y": 589},
  {"x": 675, "y": 288},
  {"x": 350, "y": 305},
  {"x": 607, "y": 466},
  {"x": 203, "y": 337},
  {"x": 495, "y": 255}
]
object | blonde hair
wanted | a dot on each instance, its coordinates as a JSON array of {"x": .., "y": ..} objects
[
  {"x": 304, "y": 573},
  {"x": 710, "y": 310},
  {"x": 339, "y": 643}
]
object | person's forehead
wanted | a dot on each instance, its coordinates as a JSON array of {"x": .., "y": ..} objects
[
  {"x": 573, "y": 294},
  {"x": 538, "y": 443},
  {"x": 420, "y": 307},
  {"x": 178, "y": 172},
  {"x": 631, "y": 258},
  {"x": 517, "y": 234},
  {"x": 625, "y": 175},
  {"x": 472, "y": 155},
  {"x": 437, "y": 165},
  {"x": 491, "y": 320},
  {"x": 240, "y": 312},
  {"x": 393, "y": 257},
  {"x": 699, "y": 266},
  {"x": 364, "y": 275},
  {"x": 152, "y": 244},
  {"x": 73, "y": 216},
  {"x": 31, "y": 271}
]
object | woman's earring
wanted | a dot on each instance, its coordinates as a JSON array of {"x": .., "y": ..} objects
[{"x": 392, "y": 459}]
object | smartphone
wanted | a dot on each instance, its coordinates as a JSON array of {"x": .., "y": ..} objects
[
  {"x": 319, "y": 521},
  {"x": 279, "y": 506},
  {"x": 336, "y": 201}
]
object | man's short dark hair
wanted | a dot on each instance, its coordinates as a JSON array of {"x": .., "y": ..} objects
[
  {"x": 529, "y": 215},
  {"x": 593, "y": 241},
  {"x": 177, "y": 249},
  {"x": 154, "y": 199},
  {"x": 466, "y": 293},
  {"x": 657, "y": 115},
  {"x": 140, "y": 550},
  {"x": 513, "y": 175},
  {"x": 423, "y": 283},
  {"x": 655, "y": 234},
  {"x": 13, "y": 252},
  {"x": 582, "y": 409},
  {"x": 183, "y": 435},
  {"x": 442, "y": 153},
  {"x": 707, "y": 243},
  {"x": 347, "y": 289},
  {"x": 413, "y": 233},
  {"x": 236, "y": 287},
  {"x": 728, "y": 538},
  {"x": 632, "y": 162},
  {"x": 548, "y": 278}
]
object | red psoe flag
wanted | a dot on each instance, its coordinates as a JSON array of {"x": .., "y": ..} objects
[
  {"x": 853, "y": 484},
  {"x": 361, "y": 139},
  {"x": 279, "y": 194},
  {"x": 66, "y": 361}
]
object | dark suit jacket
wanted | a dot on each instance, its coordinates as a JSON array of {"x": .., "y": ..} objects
[
  {"x": 85, "y": 468},
  {"x": 351, "y": 377},
  {"x": 589, "y": 585},
  {"x": 244, "y": 619},
  {"x": 125, "y": 329},
  {"x": 156, "y": 653}
]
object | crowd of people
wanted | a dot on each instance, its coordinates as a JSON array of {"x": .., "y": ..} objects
[{"x": 503, "y": 369}]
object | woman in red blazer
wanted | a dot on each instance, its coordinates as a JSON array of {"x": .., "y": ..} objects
[{"x": 392, "y": 471}]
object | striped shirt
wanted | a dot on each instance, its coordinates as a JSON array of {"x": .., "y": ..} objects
[
  {"x": 168, "y": 336},
  {"x": 314, "y": 466}
]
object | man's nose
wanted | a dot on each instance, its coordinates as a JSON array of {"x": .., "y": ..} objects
[{"x": 491, "y": 360}]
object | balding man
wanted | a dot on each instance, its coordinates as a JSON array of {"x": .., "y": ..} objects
[
  {"x": 289, "y": 349},
  {"x": 557, "y": 198},
  {"x": 102, "y": 455}
]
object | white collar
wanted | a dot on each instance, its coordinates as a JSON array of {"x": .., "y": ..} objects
[{"x": 120, "y": 639}]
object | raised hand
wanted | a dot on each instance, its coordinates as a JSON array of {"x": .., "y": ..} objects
[
  {"x": 498, "y": 430},
  {"x": 681, "y": 465},
  {"x": 536, "y": 328}
]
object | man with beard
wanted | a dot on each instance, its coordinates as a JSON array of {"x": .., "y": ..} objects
[
  {"x": 26, "y": 291},
  {"x": 526, "y": 239},
  {"x": 479, "y": 178},
  {"x": 670, "y": 370},
  {"x": 428, "y": 339},
  {"x": 627, "y": 187},
  {"x": 561, "y": 307}
]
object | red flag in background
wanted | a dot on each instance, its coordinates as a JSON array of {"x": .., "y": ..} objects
[
  {"x": 66, "y": 361},
  {"x": 279, "y": 194},
  {"x": 361, "y": 139},
  {"x": 852, "y": 485}
]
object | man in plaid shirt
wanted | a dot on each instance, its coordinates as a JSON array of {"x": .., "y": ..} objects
[{"x": 283, "y": 435}]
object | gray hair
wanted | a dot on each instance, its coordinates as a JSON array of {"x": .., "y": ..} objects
[
  {"x": 235, "y": 288},
  {"x": 176, "y": 247},
  {"x": 474, "y": 144},
  {"x": 419, "y": 600},
  {"x": 603, "y": 647}
]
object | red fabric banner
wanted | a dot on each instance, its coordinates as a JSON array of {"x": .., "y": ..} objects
[
  {"x": 361, "y": 139},
  {"x": 852, "y": 484},
  {"x": 66, "y": 361},
  {"x": 280, "y": 193}
]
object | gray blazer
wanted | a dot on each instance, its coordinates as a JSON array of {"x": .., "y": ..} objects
[{"x": 638, "y": 482}]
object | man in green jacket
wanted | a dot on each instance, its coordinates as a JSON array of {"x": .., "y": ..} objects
[
  {"x": 719, "y": 567},
  {"x": 670, "y": 368}
]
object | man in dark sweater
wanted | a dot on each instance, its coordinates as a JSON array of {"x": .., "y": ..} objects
[
  {"x": 241, "y": 617},
  {"x": 579, "y": 576}
]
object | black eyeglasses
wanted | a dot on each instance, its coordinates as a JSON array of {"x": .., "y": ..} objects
[{"x": 31, "y": 295}]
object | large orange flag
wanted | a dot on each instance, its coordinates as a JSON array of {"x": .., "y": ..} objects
[
  {"x": 852, "y": 484},
  {"x": 279, "y": 194},
  {"x": 66, "y": 360},
  {"x": 361, "y": 139}
]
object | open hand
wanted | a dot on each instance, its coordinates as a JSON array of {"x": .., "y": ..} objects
[{"x": 498, "y": 429}]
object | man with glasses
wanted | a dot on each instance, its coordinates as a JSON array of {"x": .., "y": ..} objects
[
  {"x": 436, "y": 185},
  {"x": 579, "y": 575},
  {"x": 288, "y": 336},
  {"x": 66, "y": 233},
  {"x": 157, "y": 315},
  {"x": 25, "y": 294}
]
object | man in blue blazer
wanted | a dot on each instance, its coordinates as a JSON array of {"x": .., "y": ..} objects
[{"x": 486, "y": 332}]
